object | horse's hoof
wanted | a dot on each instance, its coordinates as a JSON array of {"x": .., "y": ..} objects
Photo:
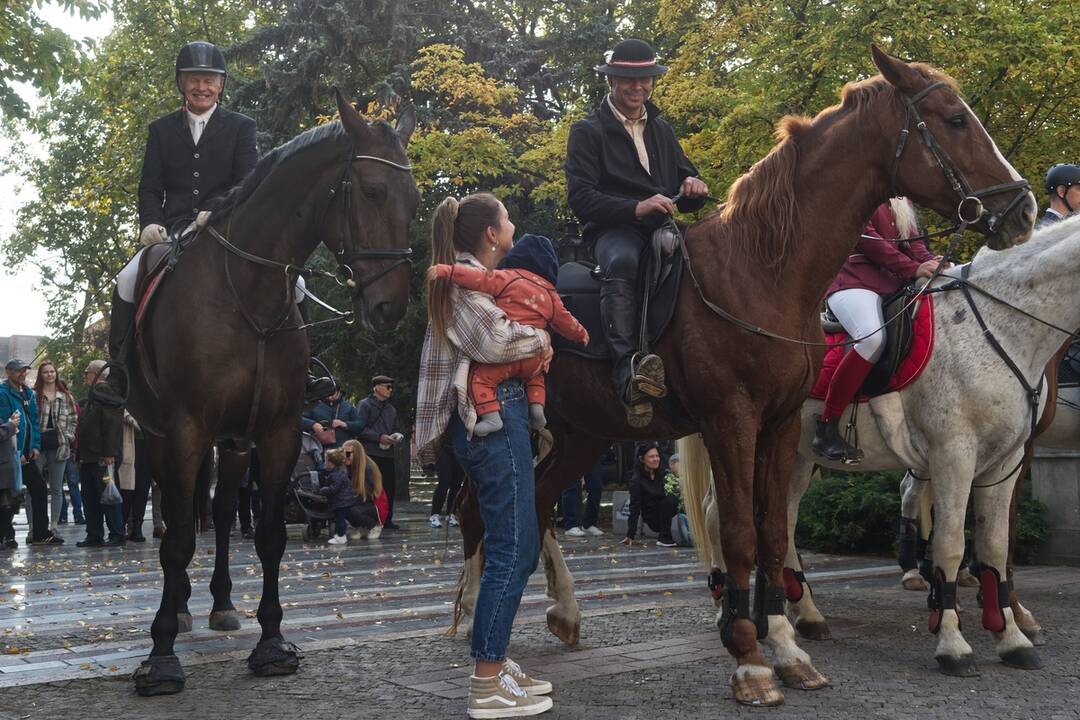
[
  {"x": 754, "y": 685},
  {"x": 183, "y": 622},
  {"x": 1035, "y": 635},
  {"x": 813, "y": 630},
  {"x": 159, "y": 675},
  {"x": 963, "y": 666},
  {"x": 1025, "y": 658},
  {"x": 274, "y": 656},
  {"x": 964, "y": 578},
  {"x": 225, "y": 620},
  {"x": 801, "y": 676},
  {"x": 567, "y": 629},
  {"x": 915, "y": 583}
]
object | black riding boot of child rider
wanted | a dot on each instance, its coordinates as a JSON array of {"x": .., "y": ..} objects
[{"x": 638, "y": 377}]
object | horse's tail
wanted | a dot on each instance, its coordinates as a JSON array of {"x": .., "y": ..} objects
[
  {"x": 458, "y": 611},
  {"x": 695, "y": 474}
]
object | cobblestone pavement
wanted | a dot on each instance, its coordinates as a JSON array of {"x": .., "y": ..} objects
[{"x": 370, "y": 619}]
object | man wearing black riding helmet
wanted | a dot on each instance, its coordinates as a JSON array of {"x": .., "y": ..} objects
[
  {"x": 193, "y": 156},
  {"x": 623, "y": 166},
  {"x": 1063, "y": 187}
]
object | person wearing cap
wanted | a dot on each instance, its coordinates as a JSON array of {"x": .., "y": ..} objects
[
  {"x": 623, "y": 167},
  {"x": 99, "y": 442},
  {"x": 193, "y": 156},
  {"x": 16, "y": 397},
  {"x": 380, "y": 436},
  {"x": 1063, "y": 188}
]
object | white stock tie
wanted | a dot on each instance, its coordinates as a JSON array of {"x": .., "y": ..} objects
[{"x": 197, "y": 130}]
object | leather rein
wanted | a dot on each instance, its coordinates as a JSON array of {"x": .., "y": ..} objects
[{"x": 344, "y": 275}]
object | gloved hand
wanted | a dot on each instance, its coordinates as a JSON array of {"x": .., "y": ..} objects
[{"x": 153, "y": 234}]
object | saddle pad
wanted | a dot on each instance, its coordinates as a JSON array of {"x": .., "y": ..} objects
[
  {"x": 151, "y": 272},
  {"x": 909, "y": 368},
  {"x": 580, "y": 292}
]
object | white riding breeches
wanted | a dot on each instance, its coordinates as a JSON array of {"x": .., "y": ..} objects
[
  {"x": 859, "y": 311},
  {"x": 128, "y": 277}
]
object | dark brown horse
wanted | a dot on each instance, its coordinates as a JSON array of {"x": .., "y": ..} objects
[
  {"x": 221, "y": 358},
  {"x": 767, "y": 257}
]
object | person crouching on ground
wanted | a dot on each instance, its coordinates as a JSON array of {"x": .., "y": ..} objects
[
  {"x": 372, "y": 503},
  {"x": 649, "y": 500},
  {"x": 524, "y": 288}
]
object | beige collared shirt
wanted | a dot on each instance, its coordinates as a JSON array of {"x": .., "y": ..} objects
[{"x": 636, "y": 129}]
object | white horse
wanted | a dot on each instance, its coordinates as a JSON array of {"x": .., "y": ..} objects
[{"x": 963, "y": 423}]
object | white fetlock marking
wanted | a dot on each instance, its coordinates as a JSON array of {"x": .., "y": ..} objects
[
  {"x": 744, "y": 671},
  {"x": 951, "y": 641},
  {"x": 781, "y": 640},
  {"x": 805, "y": 609},
  {"x": 1011, "y": 638}
]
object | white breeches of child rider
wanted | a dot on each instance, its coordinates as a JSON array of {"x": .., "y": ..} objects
[{"x": 859, "y": 311}]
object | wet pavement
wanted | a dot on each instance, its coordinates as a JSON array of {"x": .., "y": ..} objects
[{"x": 371, "y": 617}]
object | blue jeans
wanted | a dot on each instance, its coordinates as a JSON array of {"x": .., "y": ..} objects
[
  {"x": 501, "y": 468},
  {"x": 72, "y": 472},
  {"x": 594, "y": 487}
]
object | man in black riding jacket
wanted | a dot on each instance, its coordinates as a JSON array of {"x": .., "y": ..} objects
[
  {"x": 623, "y": 167},
  {"x": 193, "y": 156},
  {"x": 1063, "y": 187}
]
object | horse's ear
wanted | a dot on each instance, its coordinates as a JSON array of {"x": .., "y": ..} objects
[
  {"x": 406, "y": 123},
  {"x": 355, "y": 125},
  {"x": 897, "y": 72}
]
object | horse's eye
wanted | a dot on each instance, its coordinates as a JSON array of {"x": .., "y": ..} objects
[
  {"x": 374, "y": 193},
  {"x": 958, "y": 121}
]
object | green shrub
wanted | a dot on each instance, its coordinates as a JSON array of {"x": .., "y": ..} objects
[
  {"x": 1031, "y": 530},
  {"x": 851, "y": 512},
  {"x": 860, "y": 512}
]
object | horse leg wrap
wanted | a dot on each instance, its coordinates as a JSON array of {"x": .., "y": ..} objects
[
  {"x": 793, "y": 584},
  {"x": 768, "y": 600},
  {"x": 736, "y": 607},
  {"x": 906, "y": 552},
  {"x": 995, "y": 592},
  {"x": 716, "y": 583},
  {"x": 942, "y": 597}
]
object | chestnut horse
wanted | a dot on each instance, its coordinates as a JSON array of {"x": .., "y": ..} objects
[
  {"x": 222, "y": 356},
  {"x": 760, "y": 266}
]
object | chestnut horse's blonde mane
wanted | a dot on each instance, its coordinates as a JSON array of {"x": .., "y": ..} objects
[{"x": 760, "y": 215}]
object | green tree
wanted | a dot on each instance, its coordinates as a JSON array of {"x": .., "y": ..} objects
[{"x": 33, "y": 51}]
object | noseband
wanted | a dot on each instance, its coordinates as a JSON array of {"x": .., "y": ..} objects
[
  {"x": 970, "y": 208},
  {"x": 346, "y": 254}
]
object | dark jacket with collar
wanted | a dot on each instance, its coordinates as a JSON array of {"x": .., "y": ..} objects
[
  {"x": 378, "y": 417},
  {"x": 604, "y": 179},
  {"x": 647, "y": 496},
  {"x": 337, "y": 487},
  {"x": 326, "y": 412},
  {"x": 180, "y": 177},
  {"x": 1049, "y": 218},
  {"x": 100, "y": 432}
]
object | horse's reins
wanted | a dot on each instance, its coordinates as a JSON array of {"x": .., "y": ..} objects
[{"x": 345, "y": 254}]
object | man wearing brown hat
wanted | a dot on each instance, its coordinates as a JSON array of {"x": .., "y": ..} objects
[
  {"x": 623, "y": 167},
  {"x": 380, "y": 436}
]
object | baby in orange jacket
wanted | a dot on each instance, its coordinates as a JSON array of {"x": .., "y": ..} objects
[{"x": 524, "y": 288}]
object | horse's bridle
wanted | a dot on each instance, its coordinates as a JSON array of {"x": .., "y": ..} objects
[
  {"x": 346, "y": 255},
  {"x": 970, "y": 208}
]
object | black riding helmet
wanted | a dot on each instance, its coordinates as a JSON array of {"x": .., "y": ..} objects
[
  {"x": 200, "y": 56},
  {"x": 1062, "y": 174}
]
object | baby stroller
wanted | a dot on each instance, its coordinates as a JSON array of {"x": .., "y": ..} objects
[{"x": 306, "y": 504}]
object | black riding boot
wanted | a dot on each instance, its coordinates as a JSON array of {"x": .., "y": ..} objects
[
  {"x": 638, "y": 378},
  {"x": 121, "y": 324},
  {"x": 830, "y": 443}
]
